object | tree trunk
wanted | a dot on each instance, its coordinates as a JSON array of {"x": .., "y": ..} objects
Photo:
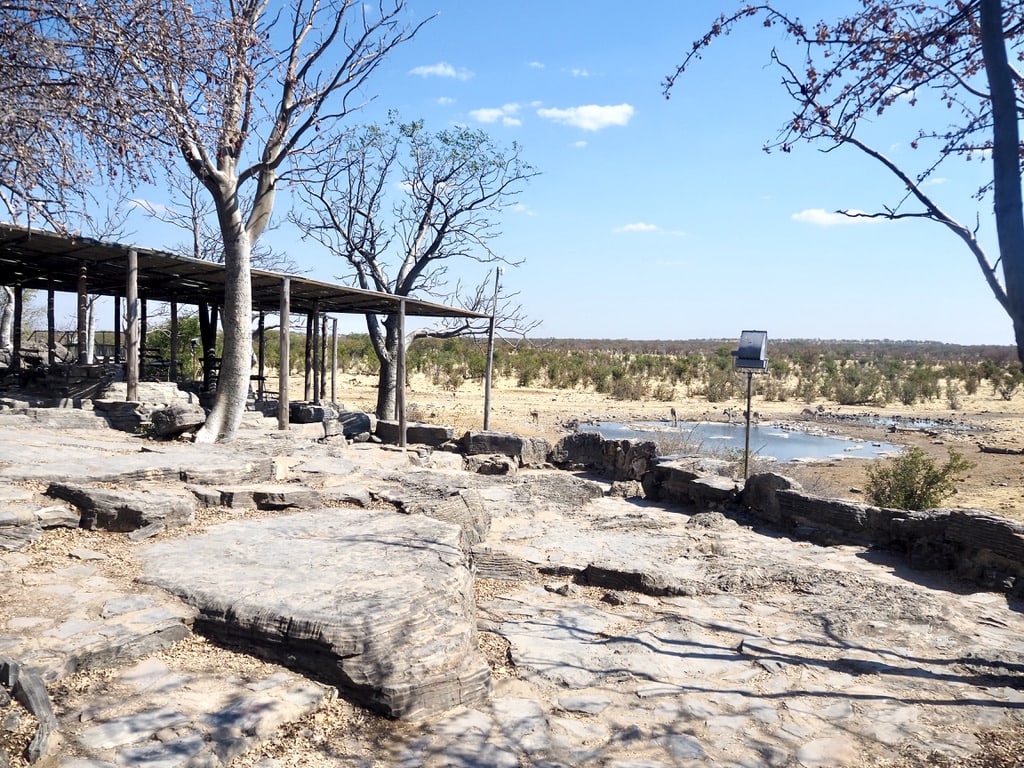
[
  {"x": 385, "y": 340},
  {"x": 7, "y": 318},
  {"x": 1006, "y": 175},
  {"x": 236, "y": 359}
]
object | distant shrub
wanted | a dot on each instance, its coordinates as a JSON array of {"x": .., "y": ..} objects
[
  {"x": 664, "y": 392},
  {"x": 628, "y": 388},
  {"x": 912, "y": 480}
]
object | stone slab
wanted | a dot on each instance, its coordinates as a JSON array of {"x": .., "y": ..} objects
[
  {"x": 188, "y": 713},
  {"x": 78, "y": 627},
  {"x": 380, "y": 604}
]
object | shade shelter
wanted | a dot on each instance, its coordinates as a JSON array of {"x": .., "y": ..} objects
[{"x": 52, "y": 262}]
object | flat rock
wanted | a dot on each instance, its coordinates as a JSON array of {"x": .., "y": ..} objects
[
  {"x": 123, "y": 510},
  {"x": 381, "y": 606},
  {"x": 188, "y": 714},
  {"x": 72, "y": 619},
  {"x": 97, "y": 462}
]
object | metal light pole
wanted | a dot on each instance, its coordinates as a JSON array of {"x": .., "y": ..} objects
[{"x": 750, "y": 357}]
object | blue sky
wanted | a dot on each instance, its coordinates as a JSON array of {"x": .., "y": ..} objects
[{"x": 657, "y": 219}]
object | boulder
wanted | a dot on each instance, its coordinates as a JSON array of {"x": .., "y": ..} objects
[
  {"x": 310, "y": 413},
  {"x": 416, "y": 433},
  {"x": 177, "y": 419},
  {"x": 527, "y": 451},
  {"x": 494, "y": 464},
  {"x": 580, "y": 450},
  {"x": 354, "y": 423}
]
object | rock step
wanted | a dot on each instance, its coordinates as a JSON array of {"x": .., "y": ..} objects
[
  {"x": 265, "y": 496},
  {"x": 124, "y": 510}
]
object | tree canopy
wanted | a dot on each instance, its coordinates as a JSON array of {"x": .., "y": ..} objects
[
  {"x": 398, "y": 204},
  {"x": 855, "y": 69}
]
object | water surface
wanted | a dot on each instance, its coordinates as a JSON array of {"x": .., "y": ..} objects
[{"x": 718, "y": 439}]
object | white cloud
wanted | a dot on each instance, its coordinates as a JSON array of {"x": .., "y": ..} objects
[
  {"x": 577, "y": 72},
  {"x": 639, "y": 226},
  {"x": 535, "y": 65},
  {"x": 153, "y": 209},
  {"x": 445, "y": 101},
  {"x": 824, "y": 218},
  {"x": 578, "y": 144},
  {"x": 441, "y": 69},
  {"x": 507, "y": 114},
  {"x": 521, "y": 208},
  {"x": 590, "y": 117}
]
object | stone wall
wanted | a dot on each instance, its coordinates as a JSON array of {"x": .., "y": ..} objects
[{"x": 974, "y": 544}]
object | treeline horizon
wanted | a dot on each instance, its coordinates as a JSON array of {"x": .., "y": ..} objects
[{"x": 847, "y": 372}]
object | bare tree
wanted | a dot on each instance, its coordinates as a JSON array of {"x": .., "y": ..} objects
[
  {"x": 192, "y": 211},
  {"x": 889, "y": 54},
  {"x": 451, "y": 186},
  {"x": 240, "y": 89},
  {"x": 65, "y": 125}
]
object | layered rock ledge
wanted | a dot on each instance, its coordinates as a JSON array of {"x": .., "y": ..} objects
[{"x": 376, "y": 603}]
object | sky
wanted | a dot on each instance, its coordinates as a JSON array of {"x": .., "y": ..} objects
[{"x": 665, "y": 219}]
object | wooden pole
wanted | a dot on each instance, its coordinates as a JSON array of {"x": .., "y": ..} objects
[
  {"x": 131, "y": 298},
  {"x": 117, "y": 330},
  {"x": 143, "y": 334},
  {"x": 19, "y": 310},
  {"x": 284, "y": 345},
  {"x": 51, "y": 329},
  {"x": 316, "y": 354},
  {"x": 334, "y": 359},
  {"x": 307, "y": 384},
  {"x": 261, "y": 354},
  {"x": 490, "y": 354},
  {"x": 172, "y": 363},
  {"x": 83, "y": 313},
  {"x": 323, "y": 357}
]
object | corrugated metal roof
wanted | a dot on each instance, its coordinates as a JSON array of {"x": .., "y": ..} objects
[{"x": 41, "y": 260}]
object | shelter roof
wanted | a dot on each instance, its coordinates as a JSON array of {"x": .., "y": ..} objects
[{"x": 37, "y": 259}]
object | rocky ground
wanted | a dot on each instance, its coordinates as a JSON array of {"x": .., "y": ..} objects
[{"x": 777, "y": 653}]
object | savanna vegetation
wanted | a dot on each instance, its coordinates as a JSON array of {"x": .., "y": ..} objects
[{"x": 874, "y": 373}]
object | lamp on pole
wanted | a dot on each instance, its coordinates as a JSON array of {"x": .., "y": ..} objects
[{"x": 750, "y": 357}]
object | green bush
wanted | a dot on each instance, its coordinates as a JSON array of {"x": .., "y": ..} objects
[{"x": 912, "y": 480}]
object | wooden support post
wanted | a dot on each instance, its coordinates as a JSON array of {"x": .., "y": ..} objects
[
  {"x": 307, "y": 365},
  {"x": 16, "y": 340},
  {"x": 490, "y": 354},
  {"x": 323, "y": 357},
  {"x": 172, "y": 364},
  {"x": 334, "y": 359},
  {"x": 316, "y": 354},
  {"x": 51, "y": 329},
  {"x": 83, "y": 313},
  {"x": 261, "y": 353},
  {"x": 143, "y": 335},
  {"x": 284, "y": 364},
  {"x": 131, "y": 331},
  {"x": 117, "y": 330}
]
